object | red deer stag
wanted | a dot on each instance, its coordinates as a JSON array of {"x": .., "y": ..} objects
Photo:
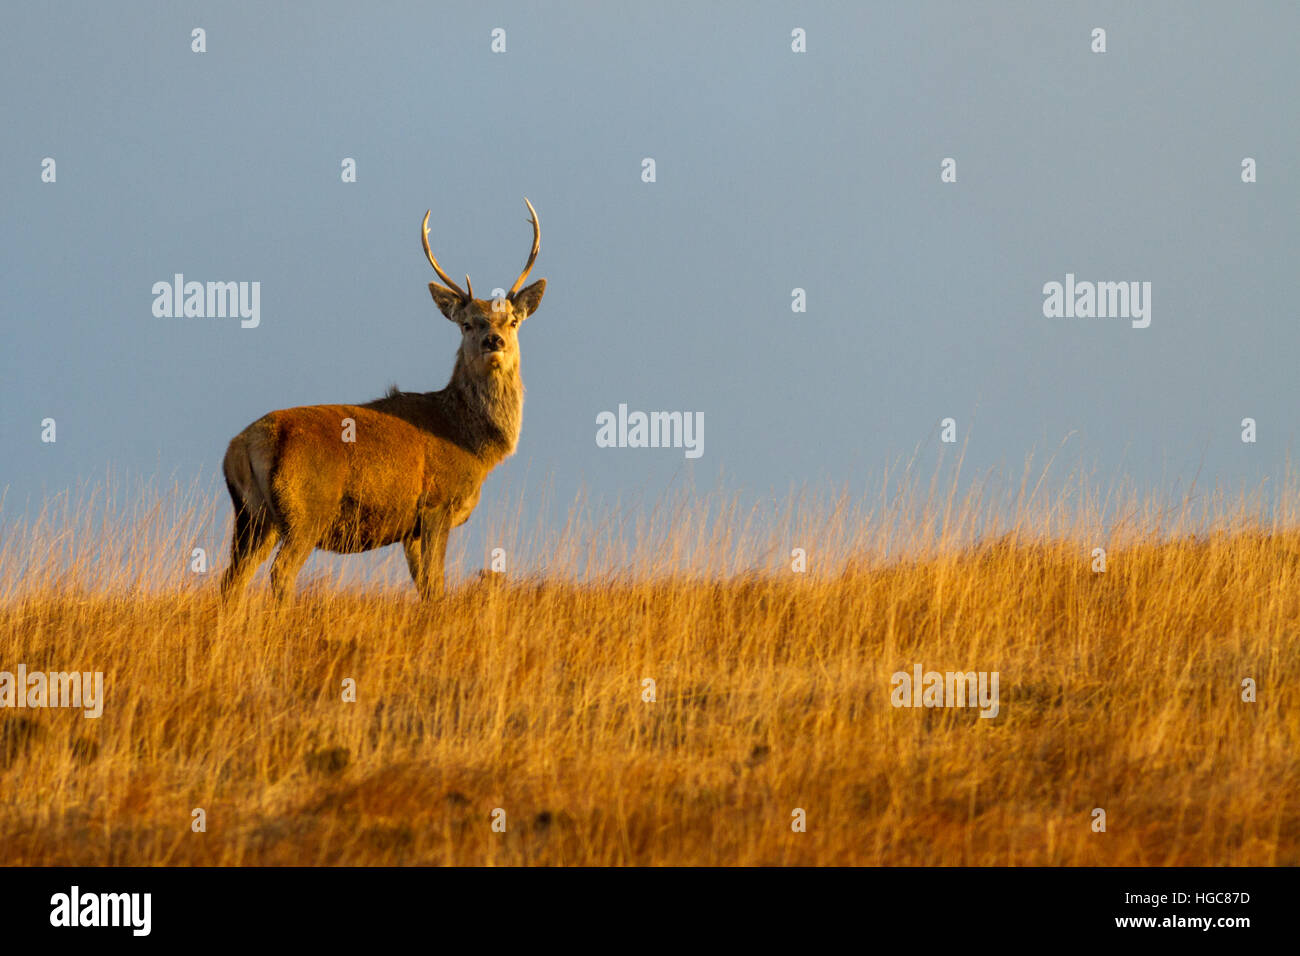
[{"x": 407, "y": 467}]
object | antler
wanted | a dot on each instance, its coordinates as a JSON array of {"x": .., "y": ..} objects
[
  {"x": 438, "y": 269},
  {"x": 532, "y": 256}
]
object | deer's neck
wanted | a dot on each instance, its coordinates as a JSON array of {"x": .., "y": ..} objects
[{"x": 489, "y": 408}]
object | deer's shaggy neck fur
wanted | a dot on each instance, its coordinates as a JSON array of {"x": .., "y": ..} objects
[{"x": 489, "y": 408}]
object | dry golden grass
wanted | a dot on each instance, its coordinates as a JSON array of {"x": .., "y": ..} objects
[{"x": 1119, "y": 690}]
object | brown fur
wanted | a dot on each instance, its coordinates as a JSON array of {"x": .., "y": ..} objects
[{"x": 413, "y": 473}]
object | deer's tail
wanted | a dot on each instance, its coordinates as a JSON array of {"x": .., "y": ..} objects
[{"x": 247, "y": 467}]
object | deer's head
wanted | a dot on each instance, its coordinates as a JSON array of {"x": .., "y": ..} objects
[{"x": 489, "y": 327}]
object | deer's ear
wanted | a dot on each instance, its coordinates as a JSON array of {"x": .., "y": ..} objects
[
  {"x": 448, "y": 301},
  {"x": 529, "y": 297}
]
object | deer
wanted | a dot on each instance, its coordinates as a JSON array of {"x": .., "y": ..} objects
[{"x": 414, "y": 466}]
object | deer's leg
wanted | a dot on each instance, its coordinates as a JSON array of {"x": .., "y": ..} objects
[
  {"x": 288, "y": 562},
  {"x": 435, "y": 526},
  {"x": 414, "y": 558},
  {"x": 253, "y": 539}
]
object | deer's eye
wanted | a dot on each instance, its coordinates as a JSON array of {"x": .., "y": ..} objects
[{"x": 514, "y": 323}]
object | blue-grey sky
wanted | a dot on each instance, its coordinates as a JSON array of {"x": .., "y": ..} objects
[{"x": 775, "y": 170}]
